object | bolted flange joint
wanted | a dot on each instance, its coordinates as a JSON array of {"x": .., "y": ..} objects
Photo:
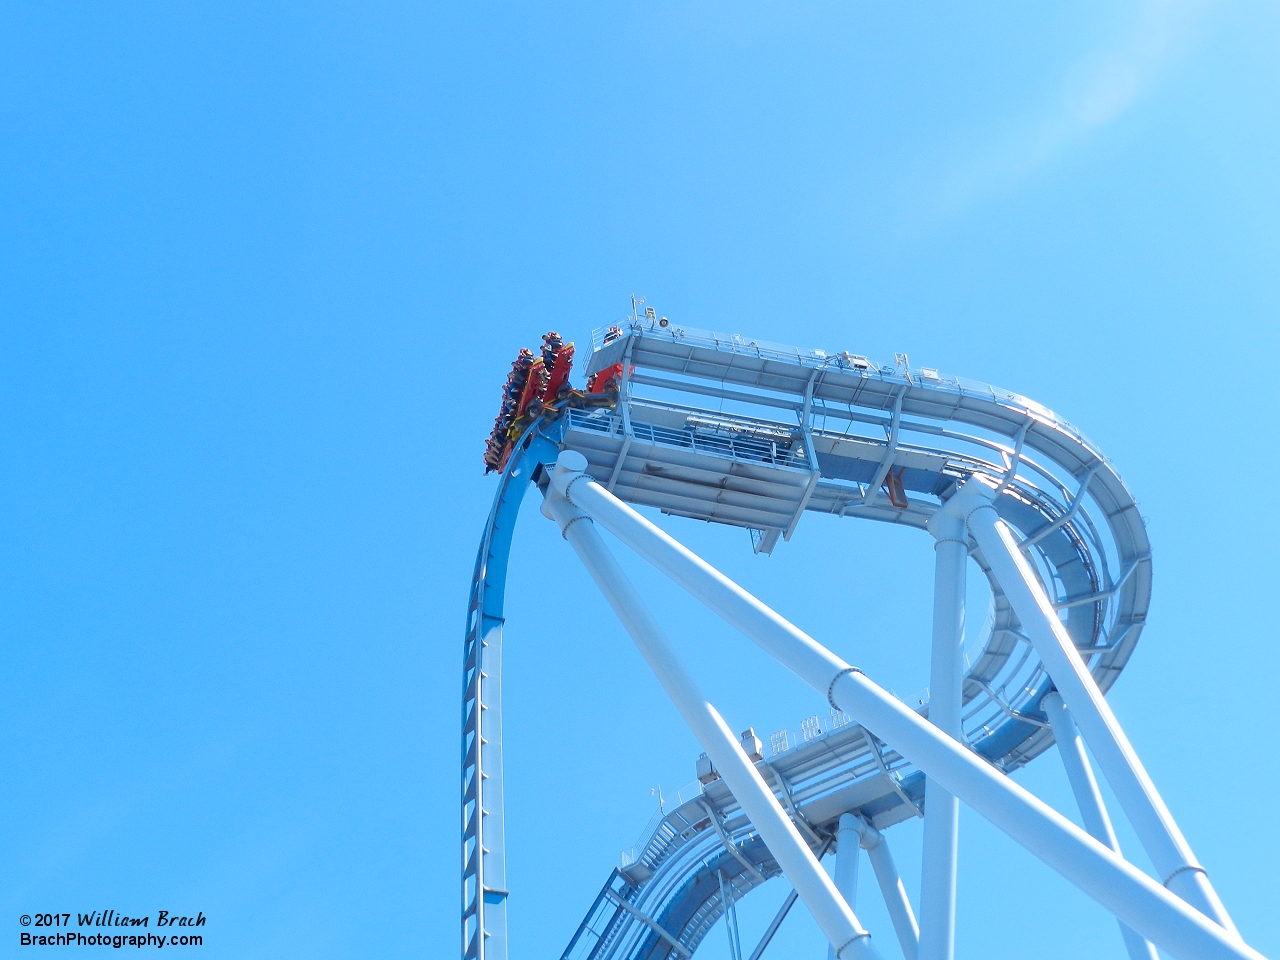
[
  {"x": 949, "y": 521},
  {"x": 569, "y": 467}
]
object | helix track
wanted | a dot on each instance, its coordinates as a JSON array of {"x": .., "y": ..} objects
[{"x": 796, "y": 432}]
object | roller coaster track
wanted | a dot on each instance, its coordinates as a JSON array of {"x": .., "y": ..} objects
[{"x": 756, "y": 435}]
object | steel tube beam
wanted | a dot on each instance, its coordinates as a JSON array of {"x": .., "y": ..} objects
[
  {"x": 946, "y": 679},
  {"x": 895, "y": 894},
  {"x": 1152, "y": 822},
  {"x": 1165, "y": 919},
  {"x": 837, "y": 921},
  {"x": 1092, "y": 810},
  {"x": 847, "y": 852}
]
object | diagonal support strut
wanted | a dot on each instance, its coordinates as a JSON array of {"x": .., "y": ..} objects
[
  {"x": 847, "y": 936},
  {"x": 1164, "y": 918}
]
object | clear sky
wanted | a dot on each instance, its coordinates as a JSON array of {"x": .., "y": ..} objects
[{"x": 263, "y": 268}]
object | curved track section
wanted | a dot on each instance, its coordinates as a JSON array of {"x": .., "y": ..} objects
[
  {"x": 484, "y": 868},
  {"x": 794, "y": 432}
]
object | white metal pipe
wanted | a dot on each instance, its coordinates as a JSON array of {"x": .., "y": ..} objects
[
  {"x": 1152, "y": 822},
  {"x": 1162, "y": 917},
  {"x": 939, "y": 852},
  {"x": 837, "y": 921},
  {"x": 1088, "y": 798},
  {"x": 946, "y": 679},
  {"x": 895, "y": 894},
  {"x": 1165, "y": 919},
  {"x": 802, "y": 654},
  {"x": 848, "y": 849}
]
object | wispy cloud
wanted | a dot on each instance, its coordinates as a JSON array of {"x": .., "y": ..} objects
[{"x": 1098, "y": 89}]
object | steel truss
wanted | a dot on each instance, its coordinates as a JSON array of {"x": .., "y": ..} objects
[{"x": 1070, "y": 599}]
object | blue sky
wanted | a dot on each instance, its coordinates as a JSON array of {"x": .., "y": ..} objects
[{"x": 263, "y": 268}]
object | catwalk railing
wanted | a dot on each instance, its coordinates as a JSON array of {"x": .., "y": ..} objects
[{"x": 757, "y": 434}]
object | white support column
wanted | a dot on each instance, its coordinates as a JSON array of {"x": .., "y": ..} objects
[
  {"x": 837, "y": 921},
  {"x": 1092, "y": 810},
  {"x": 848, "y": 848},
  {"x": 946, "y": 679},
  {"x": 1136, "y": 793},
  {"x": 1165, "y": 919},
  {"x": 895, "y": 894}
]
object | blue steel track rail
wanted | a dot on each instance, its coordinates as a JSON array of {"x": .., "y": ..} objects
[{"x": 484, "y": 887}]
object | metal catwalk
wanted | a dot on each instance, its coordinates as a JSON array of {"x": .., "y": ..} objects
[{"x": 988, "y": 475}]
